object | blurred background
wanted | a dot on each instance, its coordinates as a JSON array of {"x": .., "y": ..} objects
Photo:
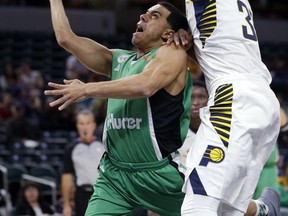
[{"x": 32, "y": 133}]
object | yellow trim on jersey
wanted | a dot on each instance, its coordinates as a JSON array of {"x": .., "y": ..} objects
[
  {"x": 223, "y": 130},
  {"x": 222, "y": 91},
  {"x": 206, "y": 23},
  {"x": 229, "y": 94},
  {"x": 222, "y": 123},
  {"x": 224, "y": 138},
  {"x": 211, "y": 16},
  {"x": 221, "y": 117},
  {"x": 211, "y": 5},
  {"x": 205, "y": 35},
  {"x": 227, "y": 102},
  {"x": 208, "y": 28},
  {"x": 206, "y": 12},
  {"x": 228, "y": 113},
  {"x": 215, "y": 108}
]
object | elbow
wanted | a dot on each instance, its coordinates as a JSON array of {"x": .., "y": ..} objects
[
  {"x": 63, "y": 39},
  {"x": 146, "y": 91}
]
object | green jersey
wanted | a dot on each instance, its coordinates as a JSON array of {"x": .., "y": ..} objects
[{"x": 144, "y": 129}]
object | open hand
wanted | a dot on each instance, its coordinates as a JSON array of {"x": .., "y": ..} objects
[
  {"x": 182, "y": 38},
  {"x": 71, "y": 91}
]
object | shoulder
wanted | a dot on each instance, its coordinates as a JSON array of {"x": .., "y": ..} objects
[
  {"x": 71, "y": 147},
  {"x": 98, "y": 145},
  {"x": 172, "y": 47},
  {"x": 171, "y": 50}
]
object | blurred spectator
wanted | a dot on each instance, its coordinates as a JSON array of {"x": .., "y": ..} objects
[
  {"x": 6, "y": 107},
  {"x": 31, "y": 203},
  {"x": 19, "y": 128},
  {"x": 30, "y": 79},
  {"x": 35, "y": 107},
  {"x": 199, "y": 99},
  {"x": 75, "y": 70},
  {"x": 9, "y": 78}
]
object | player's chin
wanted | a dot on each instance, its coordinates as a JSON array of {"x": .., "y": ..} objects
[
  {"x": 195, "y": 112},
  {"x": 136, "y": 39}
]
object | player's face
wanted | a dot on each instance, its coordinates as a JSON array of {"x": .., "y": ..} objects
[
  {"x": 86, "y": 127},
  {"x": 151, "y": 27},
  {"x": 199, "y": 99}
]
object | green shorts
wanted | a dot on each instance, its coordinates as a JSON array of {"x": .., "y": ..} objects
[{"x": 121, "y": 187}]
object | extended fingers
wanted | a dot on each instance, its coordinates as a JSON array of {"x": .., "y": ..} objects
[
  {"x": 59, "y": 89},
  {"x": 68, "y": 81},
  {"x": 66, "y": 98},
  {"x": 177, "y": 38},
  {"x": 181, "y": 37},
  {"x": 66, "y": 104},
  {"x": 54, "y": 92},
  {"x": 184, "y": 35},
  {"x": 56, "y": 85},
  {"x": 58, "y": 101}
]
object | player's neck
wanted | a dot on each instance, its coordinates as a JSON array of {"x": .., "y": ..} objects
[
  {"x": 194, "y": 124},
  {"x": 87, "y": 140},
  {"x": 143, "y": 50}
]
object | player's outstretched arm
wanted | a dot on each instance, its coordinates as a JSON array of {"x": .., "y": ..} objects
[
  {"x": 167, "y": 70},
  {"x": 93, "y": 55}
]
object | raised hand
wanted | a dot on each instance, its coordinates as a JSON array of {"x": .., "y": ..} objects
[{"x": 71, "y": 91}]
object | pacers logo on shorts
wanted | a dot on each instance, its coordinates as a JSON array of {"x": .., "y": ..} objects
[{"x": 212, "y": 154}]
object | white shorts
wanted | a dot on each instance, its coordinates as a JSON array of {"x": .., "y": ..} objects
[{"x": 239, "y": 129}]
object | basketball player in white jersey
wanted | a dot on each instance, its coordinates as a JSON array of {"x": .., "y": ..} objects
[{"x": 240, "y": 124}]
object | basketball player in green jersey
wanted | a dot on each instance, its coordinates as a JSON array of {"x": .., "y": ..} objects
[{"x": 147, "y": 115}]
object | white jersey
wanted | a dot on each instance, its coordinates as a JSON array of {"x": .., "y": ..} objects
[{"x": 225, "y": 39}]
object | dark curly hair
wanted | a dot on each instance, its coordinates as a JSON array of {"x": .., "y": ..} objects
[{"x": 176, "y": 18}]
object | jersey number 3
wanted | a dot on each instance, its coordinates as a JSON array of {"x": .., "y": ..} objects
[{"x": 252, "y": 36}]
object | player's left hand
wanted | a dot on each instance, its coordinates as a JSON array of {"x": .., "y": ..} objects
[{"x": 71, "y": 91}]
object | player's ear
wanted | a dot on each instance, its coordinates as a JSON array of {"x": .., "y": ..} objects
[{"x": 167, "y": 34}]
